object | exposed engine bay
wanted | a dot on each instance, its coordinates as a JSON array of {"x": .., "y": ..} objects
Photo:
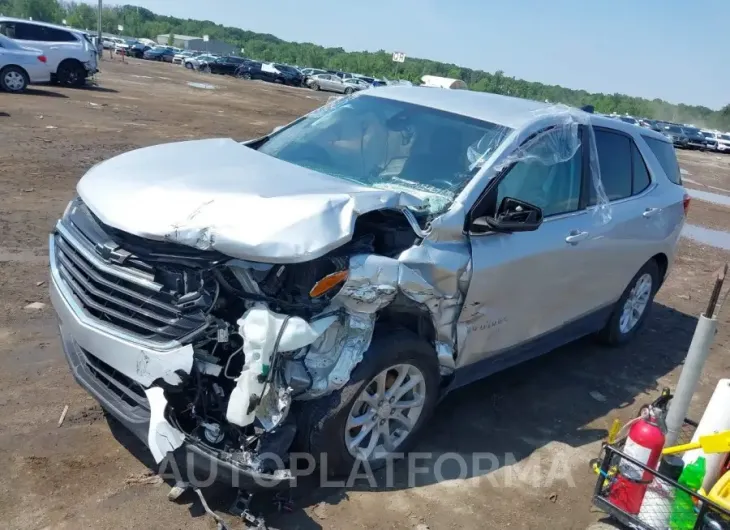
[{"x": 262, "y": 335}]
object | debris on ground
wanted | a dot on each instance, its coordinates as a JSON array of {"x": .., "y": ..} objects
[
  {"x": 204, "y": 86},
  {"x": 318, "y": 511},
  {"x": 36, "y": 305},
  {"x": 147, "y": 477},
  {"x": 40, "y": 284},
  {"x": 63, "y": 415}
]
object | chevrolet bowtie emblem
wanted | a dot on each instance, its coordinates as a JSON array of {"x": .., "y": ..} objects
[{"x": 111, "y": 252}]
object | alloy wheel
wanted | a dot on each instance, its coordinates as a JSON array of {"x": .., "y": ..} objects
[
  {"x": 636, "y": 303},
  {"x": 385, "y": 412}
]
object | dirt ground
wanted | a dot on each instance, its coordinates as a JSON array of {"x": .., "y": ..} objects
[{"x": 544, "y": 420}]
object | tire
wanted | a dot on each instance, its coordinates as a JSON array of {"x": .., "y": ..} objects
[
  {"x": 207, "y": 69},
  {"x": 189, "y": 66},
  {"x": 71, "y": 74},
  {"x": 13, "y": 79},
  {"x": 315, "y": 86},
  {"x": 613, "y": 334},
  {"x": 322, "y": 422},
  {"x": 247, "y": 76},
  {"x": 348, "y": 91}
]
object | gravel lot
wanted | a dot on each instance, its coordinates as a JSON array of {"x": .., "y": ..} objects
[{"x": 544, "y": 420}]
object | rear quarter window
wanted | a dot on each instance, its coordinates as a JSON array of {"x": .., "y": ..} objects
[{"x": 664, "y": 151}]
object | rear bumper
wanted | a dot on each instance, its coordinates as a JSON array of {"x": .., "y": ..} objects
[{"x": 92, "y": 355}]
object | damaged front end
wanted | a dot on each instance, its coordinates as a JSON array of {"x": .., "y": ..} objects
[{"x": 209, "y": 352}]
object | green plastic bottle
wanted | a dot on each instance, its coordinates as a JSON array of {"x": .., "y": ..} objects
[{"x": 683, "y": 515}]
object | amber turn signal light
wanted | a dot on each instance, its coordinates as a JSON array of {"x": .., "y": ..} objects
[{"x": 327, "y": 283}]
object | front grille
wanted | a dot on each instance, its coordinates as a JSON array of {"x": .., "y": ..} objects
[
  {"x": 129, "y": 391},
  {"x": 129, "y": 296}
]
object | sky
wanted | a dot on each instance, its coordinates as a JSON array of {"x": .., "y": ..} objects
[{"x": 670, "y": 49}]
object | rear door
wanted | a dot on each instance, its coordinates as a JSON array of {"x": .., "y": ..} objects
[{"x": 639, "y": 225}]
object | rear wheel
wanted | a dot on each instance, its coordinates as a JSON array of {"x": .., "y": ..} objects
[
  {"x": 348, "y": 91},
  {"x": 382, "y": 409},
  {"x": 71, "y": 74},
  {"x": 13, "y": 79},
  {"x": 315, "y": 86},
  {"x": 632, "y": 309}
]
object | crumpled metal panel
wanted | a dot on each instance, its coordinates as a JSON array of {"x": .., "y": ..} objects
[
  {"x": 332, "y": 358},
  {"x": 211, "y": 201}
]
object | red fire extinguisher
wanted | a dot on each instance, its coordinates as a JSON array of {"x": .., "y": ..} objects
[{"x": 644, "y": 444}]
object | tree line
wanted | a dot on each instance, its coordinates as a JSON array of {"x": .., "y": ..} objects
[{"x": 140, "y": 22}]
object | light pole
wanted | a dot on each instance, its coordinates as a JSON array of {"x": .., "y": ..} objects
[{"x": 99, "y": 24}]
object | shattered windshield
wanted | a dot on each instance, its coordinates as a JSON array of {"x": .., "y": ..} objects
[{"x": 390, "y": 144}]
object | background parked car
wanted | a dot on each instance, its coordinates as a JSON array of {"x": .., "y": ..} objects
[
  {"x": 179, "y": 58},
  {"x": 223, "y": 65},
  {"x": 274, "y": 73},
  {"x": 333, "y": 83},
  {"x": 723, "y": 142},
  {"x": 711, "y": 139},
  {"x": 21, "y": 66},
  {"x": 695, "y": 138},
  {"x": 161, "y": 53},
  {"x": 289, "y": 75},
  {"x": 70, "y": 54},
  {"x": 137, "y": 49},
  {"x": 370, "y": 80},
  {"x": 676, "y": 134},
  {"x": 195, "y": 63}
]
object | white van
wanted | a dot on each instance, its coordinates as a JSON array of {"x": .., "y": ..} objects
[{"x": 71, "y": 55}]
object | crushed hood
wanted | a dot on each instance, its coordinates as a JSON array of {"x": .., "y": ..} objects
[{"x": 221, "y": 195}]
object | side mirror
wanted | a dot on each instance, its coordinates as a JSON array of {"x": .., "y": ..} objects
[{"x": 512, "y": 215}]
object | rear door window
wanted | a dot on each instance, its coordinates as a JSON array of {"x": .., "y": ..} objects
[
  {"x": 614, "y": 159},
  {"x": 58, "y": 35},
  {"x": 664, "y": 151}
]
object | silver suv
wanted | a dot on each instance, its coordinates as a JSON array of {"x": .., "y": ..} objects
[
  {"x": 322, "y": 287},
  {"x": 70, "y": 54}
]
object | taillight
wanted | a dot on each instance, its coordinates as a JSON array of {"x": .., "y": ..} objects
[
  {"x": 685, "y": 203},
  {"x": 42, "y": 58}
]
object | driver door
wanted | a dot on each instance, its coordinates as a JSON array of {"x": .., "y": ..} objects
[{"x": 529, "y": 290}]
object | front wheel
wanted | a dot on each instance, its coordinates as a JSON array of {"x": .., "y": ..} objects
[
  {"x": 189, "y": 66},
  {"x": 315, "y": 86},
  {"x": 632, "y": 309},
  {"x": 379, "y": 414},
  {"x": 13, "y": 79},
  {"x": 348, "y": 91}
]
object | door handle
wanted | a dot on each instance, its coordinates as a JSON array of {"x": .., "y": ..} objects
[
  {"x": 576, "y": 237},
  {"x": 651, "y": 211},
  {"x": 53, "y": 48}
]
